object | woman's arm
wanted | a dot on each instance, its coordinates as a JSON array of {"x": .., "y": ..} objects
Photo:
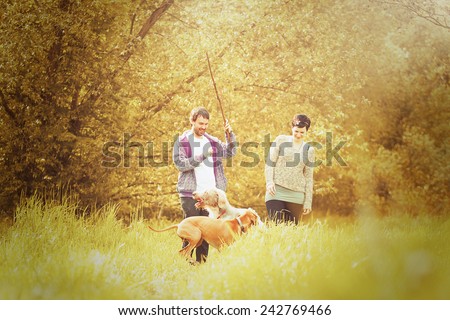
[
  {"x": 309, "y": 177},
  {"x": 271, "y": 161}
]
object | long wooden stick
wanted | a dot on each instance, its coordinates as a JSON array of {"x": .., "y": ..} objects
[{"x": 217, "y": 93}]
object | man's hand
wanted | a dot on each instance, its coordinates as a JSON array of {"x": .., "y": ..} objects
[
  {"x": 306, "y": 211},
  {"x": 228, "y": 127},
  {"x": 209, "y": 152}
]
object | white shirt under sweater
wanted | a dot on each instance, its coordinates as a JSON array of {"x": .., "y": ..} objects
[{"x": 204, "y": 173}]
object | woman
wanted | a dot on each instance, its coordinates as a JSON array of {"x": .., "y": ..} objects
[{"x": 289, "y": 174}]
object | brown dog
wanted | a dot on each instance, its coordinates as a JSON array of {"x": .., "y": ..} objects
[{"x": 216, "y": 232}]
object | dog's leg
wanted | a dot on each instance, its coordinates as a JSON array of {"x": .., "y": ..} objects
[
  {"x": 187, "y": 249},
  {"x": 192, "y": 238}
]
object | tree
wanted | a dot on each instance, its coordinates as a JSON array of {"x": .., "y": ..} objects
[{"x": 60, "y": 92}]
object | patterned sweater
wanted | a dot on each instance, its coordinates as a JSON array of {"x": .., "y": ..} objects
[
  {"x": 186, "y": 162},
  {"x": 291, "y": 167}
]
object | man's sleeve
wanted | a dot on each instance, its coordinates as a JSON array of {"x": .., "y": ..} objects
[{"x": 180, "y": 158}]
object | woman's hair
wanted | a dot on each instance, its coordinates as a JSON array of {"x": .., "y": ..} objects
[
  {"x": 301, "y": 121},
  {"x": 200, "y": 111}
]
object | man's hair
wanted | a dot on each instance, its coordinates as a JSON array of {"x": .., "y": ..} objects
[
  {"x": 301, "y": 121},
  {"x": 200, "y": 111}
]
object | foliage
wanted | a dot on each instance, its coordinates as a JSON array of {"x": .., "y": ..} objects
[
  {"x": 49, "y": 253},
  {"x": 93, "y": 93}
]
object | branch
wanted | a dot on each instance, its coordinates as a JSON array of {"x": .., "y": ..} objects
[
  {"x": 75, "y": 97},
  {"x": 426, "y": 12},
  {"x": 131, "y": 196},
  {"x": 8, "y": 111},
  {"x": 172, "y": 43},
  {"x": 154, "y": 17},
  {"x": 261, "y": 87},
  {"x": 133, "y": 19},
  {"x": 150, "y": 22},
  {"x": 242, "y": 88},
  {"x": 195, "y": 27}
]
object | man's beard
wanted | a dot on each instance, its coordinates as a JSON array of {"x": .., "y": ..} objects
[{"x": 199, "y": 132}]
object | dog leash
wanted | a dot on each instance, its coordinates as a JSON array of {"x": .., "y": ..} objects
[{"x": 221, "y": 214}]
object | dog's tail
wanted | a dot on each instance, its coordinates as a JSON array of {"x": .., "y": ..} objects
[{"x": 166, "y": 229}]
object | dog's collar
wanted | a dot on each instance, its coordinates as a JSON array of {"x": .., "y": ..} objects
[
  {"x": 222, "y": 213},
  {"x": 240, "y": 224}
]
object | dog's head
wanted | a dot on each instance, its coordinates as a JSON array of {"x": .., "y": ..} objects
[
  {"x": 250, "y": 218},
  {"x": 213, "y": 198}
]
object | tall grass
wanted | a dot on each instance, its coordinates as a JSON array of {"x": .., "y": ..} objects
[{"x": 50, "y": 253}]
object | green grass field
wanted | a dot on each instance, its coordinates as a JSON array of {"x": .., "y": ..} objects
[{"x": 48, "y": 253}]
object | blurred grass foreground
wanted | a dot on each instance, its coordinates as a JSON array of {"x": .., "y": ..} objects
[{"x": 50, "y": 252}]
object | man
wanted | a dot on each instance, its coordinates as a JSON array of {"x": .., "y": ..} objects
[{"x": 198, "y": 156}]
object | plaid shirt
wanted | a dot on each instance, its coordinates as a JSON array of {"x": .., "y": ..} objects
[{"x": 186, "y": 162}]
